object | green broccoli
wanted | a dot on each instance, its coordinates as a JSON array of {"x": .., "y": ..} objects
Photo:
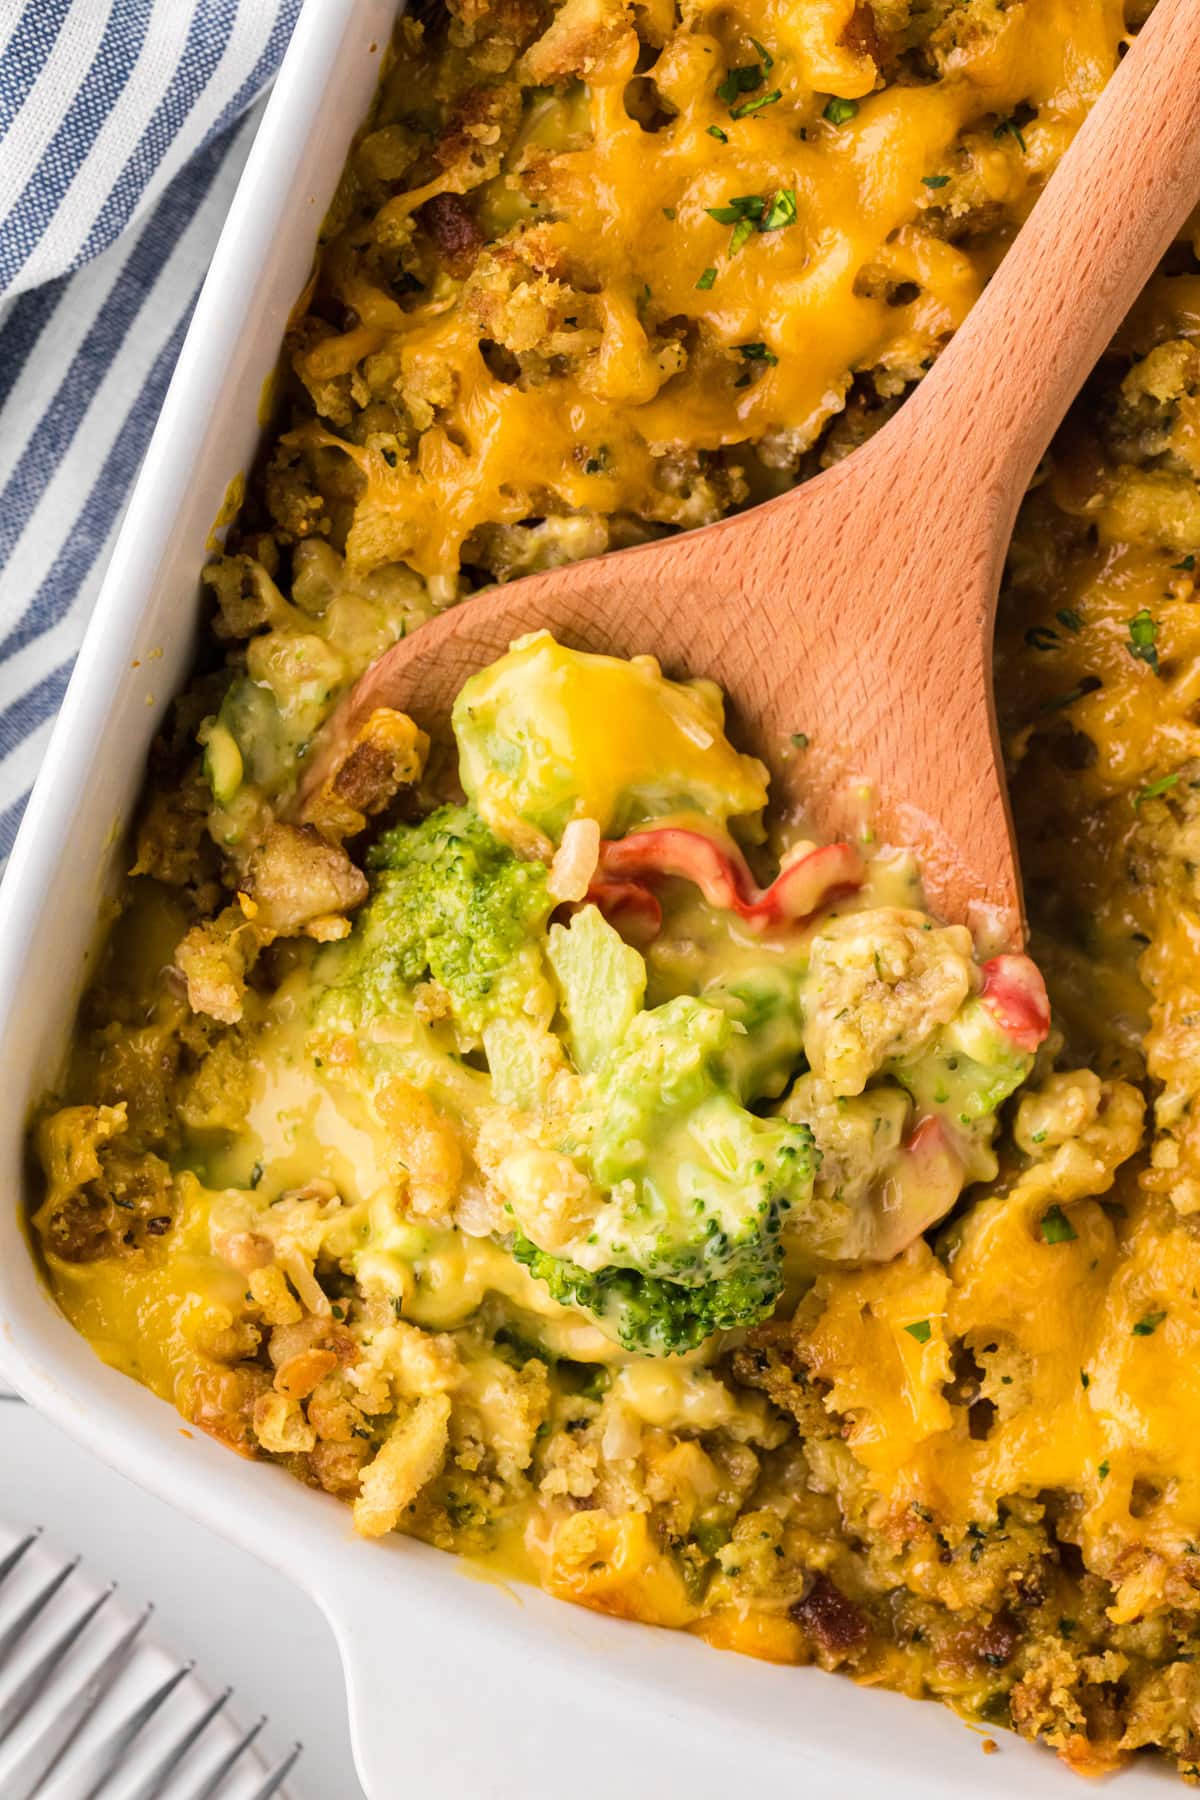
[
  {"x": 601, "y": 983},
  {"x": 655, "y": 1317},
  {"x": 686, "y": 1241},
  {"x": 964, "y": 1075},
  {"x": 450, "y": 901},
  {"x": 547, "y": 734},
  {"x": 764, "y": 1001},
  {"x": 693, "y": 1176}
]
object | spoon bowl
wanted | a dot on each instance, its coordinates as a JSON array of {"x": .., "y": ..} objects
[{"x": 850, "y": 621}]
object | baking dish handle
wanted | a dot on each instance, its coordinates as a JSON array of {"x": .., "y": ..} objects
[{"x": 459, "y": 1709}]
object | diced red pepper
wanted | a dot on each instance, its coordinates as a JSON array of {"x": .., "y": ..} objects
[
  {"x": 928, "y": 1138},
  {"x": 629, "y": 907},
  {"x": 1015, "y": 994},
  {"x": 721, "y": 874},
  {"x": 923, "y": 1182}
]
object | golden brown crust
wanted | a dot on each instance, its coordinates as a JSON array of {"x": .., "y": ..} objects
[{"x": 298, "y": 881}]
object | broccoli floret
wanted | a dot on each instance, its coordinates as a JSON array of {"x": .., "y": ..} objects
[
  {"x": 696, "y": 1180},
  {"x": 764, "y": 1000},
  {"x": 687, "y": 1239},
  {"x": 450, "y": 901},
  {"x": 601, "y": 984},
  {"x": 964, "y": 1076},
  {"x": 655, "y": 1317},
  {"x": 547, "y": 734}
]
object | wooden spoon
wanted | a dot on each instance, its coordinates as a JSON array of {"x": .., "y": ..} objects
[{"x": 858, "y": 609}]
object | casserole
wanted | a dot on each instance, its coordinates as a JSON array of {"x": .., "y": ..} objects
[{"x": 407, "y": 1661}]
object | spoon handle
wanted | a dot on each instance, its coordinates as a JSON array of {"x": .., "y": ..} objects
[{"x": 999, "y": 392}]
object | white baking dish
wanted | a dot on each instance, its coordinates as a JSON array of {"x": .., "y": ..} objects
[{"x": 457, "y": 1685}]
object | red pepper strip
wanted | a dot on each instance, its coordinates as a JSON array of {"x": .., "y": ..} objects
[
  {"x": 1015, "y": 994},
  {"x": 800, "y": 890},
  {"x": 826, "y": 874},
  {"x": 920, "y": 1186},
  {"x": 929, "y": 1138},
  {"x": 629, "y": 907},
  {"x": 722, "y": 877}
]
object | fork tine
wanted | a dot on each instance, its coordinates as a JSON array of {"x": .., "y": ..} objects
[
  {"x": 49, "y": 1760},
  {"x": 20, "y": 1625},
  {"x": 27, "y": 1690},
  {"x": 44, "y": 1757},
  {"x": 152, "y": 1786},
  {"x": 276, "y": 1777},
  {"x": 106, "y": 1758},
  {"x": 9, "y": 1562},
  {"x": 209, "y": 1789}
]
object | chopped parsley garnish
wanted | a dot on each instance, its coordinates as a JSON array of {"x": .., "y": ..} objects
[
  {"x": 921, "y": 1330},
  {"x": 1162, "y": 786},
  {"x": 1011, "y": 126},
  {"x": 1057, "y": 1228},
  {"x": 1149, "y": 1323},
  {"x": 757, "y": 353},
  {"x": 748, "y": 213},
  {"x": 1102, "y": 1471},
  {"x": 722, "y": 137},
  {"x": 1042, "y": 637},
  {"x": 743, "y": 80},
  {"x": 707, "y": 278},
  {"x": 800, "y": 740},
  {"x": 935, "y": 181},
  {"x": 743, "y": 213},
  {"x": 840, "y": 112},
  {"x": 746, "y": 79},
  {"x": 1188, "y": 563},
  {"x": 1143, "y": 636},
  {"x": 781, "y": 212},
  {"x": 756, "y": 105},
  {"x": 1068, "y": 617},
  {"x": 1085, "y": 1380},
  {"x": 668, "y": 212},
  {"x": 1088, "y": 685},
  {"x": 741, "y": 232}
]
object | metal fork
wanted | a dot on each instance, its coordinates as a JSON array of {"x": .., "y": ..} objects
[{"x": 92, "y": 1709}]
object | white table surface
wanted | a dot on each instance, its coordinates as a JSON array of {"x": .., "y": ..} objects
[{"x": 243, "y": 1624}]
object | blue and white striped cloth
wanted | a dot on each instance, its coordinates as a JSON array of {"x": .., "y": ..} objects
[{"x": 124, "y": 125}]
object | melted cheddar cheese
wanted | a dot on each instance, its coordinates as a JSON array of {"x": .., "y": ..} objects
[{"x": 611, "y": 334}]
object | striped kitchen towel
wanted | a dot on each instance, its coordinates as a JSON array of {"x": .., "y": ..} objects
[{"x": 124, "y": 125}]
